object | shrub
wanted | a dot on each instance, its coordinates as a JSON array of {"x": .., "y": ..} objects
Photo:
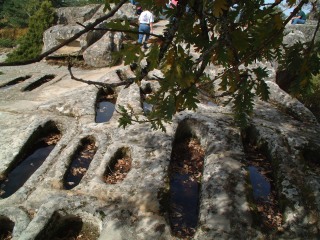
[
  {"x": 9, "y": 36},
  {"x": 7, "y": 42},
  {"x": 311, "y": 100},
  {"x": 31, "y": 43}
]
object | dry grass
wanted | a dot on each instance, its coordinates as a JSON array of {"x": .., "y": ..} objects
[{"x": 12, "y": 33}]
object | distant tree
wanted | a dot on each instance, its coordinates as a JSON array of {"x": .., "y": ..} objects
[
  {"x": 14, "y": 14},
  {"x": 315, "y": 10},
  {"x": 31, "y": 7},
  {"x": 1, "y": 5},
  {"x": 72, "y": 3},
  {"x": 31, "y": 43},
  {"x": 1, "y": 14},
  {"x": 301, "y": 61}
]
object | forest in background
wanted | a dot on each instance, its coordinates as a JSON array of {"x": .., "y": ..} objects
[{"x": 16, "y": 13}]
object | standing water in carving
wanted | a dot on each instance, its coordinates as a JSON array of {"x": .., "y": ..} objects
[
  {"x": 80, "y": 163},
  {"x": 105, "y": 106},
  {"x": 28, "y": 162},
  {"x": 185, "y": 180}
]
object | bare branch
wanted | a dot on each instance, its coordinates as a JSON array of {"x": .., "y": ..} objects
[
  {"x": 122, "y": 30},
  {"x": 104, "y": 85},
  {"x": 88, "y": 28}
]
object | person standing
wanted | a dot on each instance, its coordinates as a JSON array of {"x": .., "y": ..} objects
[{"x": 146, "y": 20}]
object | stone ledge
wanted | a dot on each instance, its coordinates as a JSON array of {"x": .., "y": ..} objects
[{"x": 307, "y": 29}]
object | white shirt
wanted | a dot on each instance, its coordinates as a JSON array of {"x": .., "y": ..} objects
[{"x": 146, "y": 17}]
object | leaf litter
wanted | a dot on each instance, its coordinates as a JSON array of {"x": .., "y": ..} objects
[
  {"x": 268, "y": 210},
  {"x": 119, "y": 172}
]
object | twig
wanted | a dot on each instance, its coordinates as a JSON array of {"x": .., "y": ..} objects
[
  {"x": 89, "y": 27},
  {"x": 140, "y": 121},
  {"x": 104, "y": 85}
]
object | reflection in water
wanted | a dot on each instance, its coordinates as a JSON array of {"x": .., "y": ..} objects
[
  {"x": 184, "y": 201},
  {"x": 266, "y": 210},
  {"x": 186, "y": 169},
  {"x": 20, "y": 174},
  {"x": 211, "y": 104},
  {"x": 104, "y": 111},
  {"x": 30, "y": 158},
  {"x": 260, "y": 185},
  {"x": 80, "y": 163},
  {"x": 144, "y": 93},
  {"x": 147, "y": 108}
]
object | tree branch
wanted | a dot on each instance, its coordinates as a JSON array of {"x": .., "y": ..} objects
[
  {"x": 173, "y": 29},
  {"x": 100, "y": 84},
  {"x": 254, "y": 52},
  {"x": 88, "y": 28},
  {"x": 276, "y": 3},
  {"x": 122, "y": 30},
  {"x": 136, "y": 119},
  {"x": 313, "y": 39}
]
